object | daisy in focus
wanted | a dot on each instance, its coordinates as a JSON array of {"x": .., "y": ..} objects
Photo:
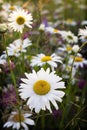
[
  {"x": 18, "y": 19},
  {"x": 14, "y": 121},
  {"x": 68, "y": 36},
  {"x": 42, "y": 88},
  {"x": 18, "y": 46},
  {"x": 42, "y": 59}
]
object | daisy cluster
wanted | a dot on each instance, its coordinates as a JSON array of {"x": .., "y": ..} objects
[{"x": 42, "y": 65}]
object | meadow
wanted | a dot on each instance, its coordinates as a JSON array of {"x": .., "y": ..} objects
[{"x": 43, "y": 65}]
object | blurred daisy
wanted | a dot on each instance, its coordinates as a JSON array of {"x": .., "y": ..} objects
[
  {"x": 8, "y": 7},
  {"x": 41, "y": 88},
  {"x": 51, "y": 30},
  {"x": 84, "y": 22},
  {"x": 83, "y": 34},
  {"x": 70, "y": 22},
  {"x": 15, "y": 118},
  {"x": 79, "y": 61},
  {"x": 67, "y": 49},
  {"x": 18, "y": 46},
  {"x": 3, "y": 59},
  {"x": 18, "y": 19},
  {"x": 68, "y": 36},
  {"x": 42, "y": 59}
]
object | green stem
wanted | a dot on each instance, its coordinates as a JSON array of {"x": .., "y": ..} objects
[
  {"x": 43, "y": 120},
  {"x": 12, "y": 74},
  {"x": 68, "y": 98}
]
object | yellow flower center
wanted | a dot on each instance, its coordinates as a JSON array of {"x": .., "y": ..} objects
[
  {"x": 20, "y": 20},
  {"x": 41, "y": 87},
  {"x": 46, "y": 58},
  {"x": 55, "y": 30},
  {"x": 18, "y": 118},
  {"x": 78, "y": 59},
  {"x": 11, "y": 8},
  {"x": 69, "y": 20},
  {"x": 68, "y": 48}
]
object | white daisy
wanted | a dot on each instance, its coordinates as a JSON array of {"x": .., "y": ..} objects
[
  {"x": 42, "y": 59},
  {"x": 51, "y": 30},
  {"x": 75, "y": 48},
  {"x": 68, "y": 36},
  {"x": 8, "y": 7},
  {"x": 79, "y": 61},
  {"x": 66, "y": 48},
  {"x": 15, "y": 119},
  {"x": 70, "y": 22},
  {"x": 18, "y": 19},
  {"x": 3, "y": 59},
  {"x": 83, "y": 34},
  {"x": 41, "y": 88},
  {"x": 18, "y": 46}
]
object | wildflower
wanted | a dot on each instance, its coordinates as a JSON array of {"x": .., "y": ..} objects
[
  {"x": 8, "y": 97},
  {"x": 8, "y": 7},
  {"x": 18, "y": 46},
  {"x": 79, "y": 61},
  {"x": 70, "y": 22},
  {"x": 68, "y": 36},
  {"x": 15, "y": 119},
  {"x": 83, "y": 34},
  {"x": 42, "y": 59},
  {"x": 75, "y": 48},
  {"x": 51, "y": 30},
  {"x": 41, "y": 88},
  {"x": 65, "y": 48},
  {"x": 3, "y": 59},
  {"x": 42, "y": 27},
  {"x": 18, "y": 19},
  {"x": 3, "y": 28}
]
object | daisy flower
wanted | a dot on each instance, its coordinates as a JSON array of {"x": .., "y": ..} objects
[
  {"x": 51, "y": 30},
  {"x": 18, "y": 46},
  {"x": 42, "y": 59},
  {"x": 68, "y": 36},
  {"x": 18, "y": 19},
  {"x": 41, "y": 88},
  {"x": 70, "y": 22},
  {"x": 83, "y": 34},
  {"x": 14, "y": 121},
  {"x": 8, "y": 7},
  {"x": 79, "y": 61},
  {"x": 3, "y": 59},
  {"x": 67, "y": 49}
]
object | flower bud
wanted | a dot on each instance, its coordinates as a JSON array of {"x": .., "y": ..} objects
[{"x": 3, "y": 27}]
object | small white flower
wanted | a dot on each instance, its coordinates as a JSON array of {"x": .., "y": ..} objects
[
  {"x": 42, "y": 59},
  {"x": 41, "y": 88},
  {"x": 75, "y": 48},
  {"x": 18, "y": 19},
  {"x": 18, "y": 46},
  {"x": 8, "y": 7},
  {"x": 3, "y": 59},
  {"x": 42, "y": 27},
  {"x": 68, "y": 36},
  {"x": 83, "y": 34},
  {"x": 14, "y": 121},
  {"x": 84, "y": 22},
  {"x": 51, "y": 30},
  {"x": 70, "y": 22}
]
